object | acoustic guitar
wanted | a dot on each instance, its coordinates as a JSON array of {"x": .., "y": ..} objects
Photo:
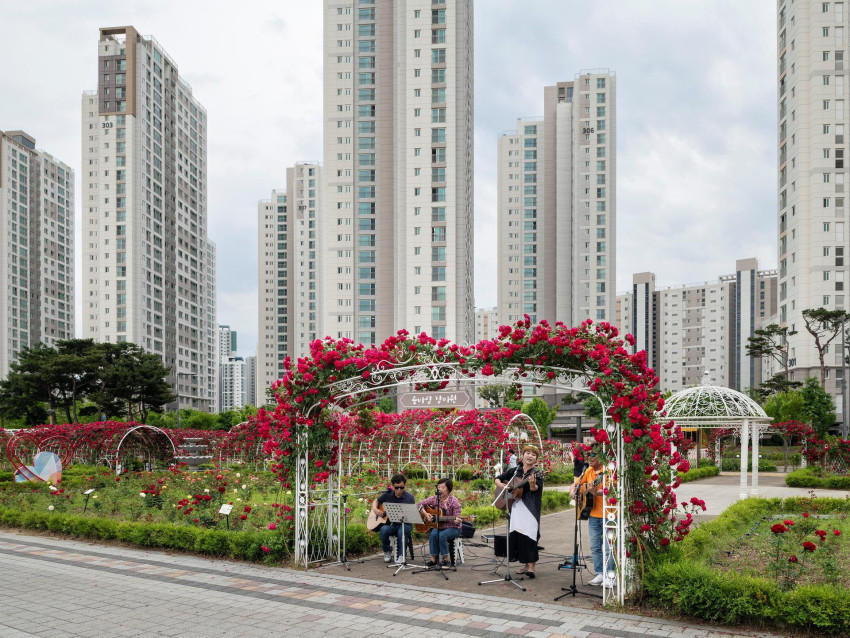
[
  {"x": 373, "y": 522},
  {"x": 437, "y": 513},
  {"x": 588, "y": 499},
  {"x": 513, "y": 493}
]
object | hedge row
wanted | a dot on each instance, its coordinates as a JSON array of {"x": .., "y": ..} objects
[
  {"x": 236, "y": 544},
  {"x": 697, "y": 590},
  {"x": 812, "y": 477},
  {"x": 734, "y": 465},
  {"x": 694, "y": 474},
  {"x": 682, "y": 582}
]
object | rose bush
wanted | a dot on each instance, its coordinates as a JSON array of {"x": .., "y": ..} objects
[{"x": 303, "y": 418}]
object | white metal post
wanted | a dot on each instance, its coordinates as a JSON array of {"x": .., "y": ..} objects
[
  {"x": 745, "y": 435},
  {"x": 754, "y": 490}
]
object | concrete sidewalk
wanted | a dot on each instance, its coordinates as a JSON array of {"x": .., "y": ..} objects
[{"x": 58, "y": 588}]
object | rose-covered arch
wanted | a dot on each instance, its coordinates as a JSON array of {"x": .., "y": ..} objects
[{"x": 302, "y": 434}]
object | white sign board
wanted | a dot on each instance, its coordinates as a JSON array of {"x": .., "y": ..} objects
[
  {"x": 87, "y": 492},
  {"x": 225, "y": 509},
  {"x": 435, "y": 399}
]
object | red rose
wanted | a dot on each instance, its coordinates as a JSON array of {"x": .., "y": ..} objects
[
  {"x": 778, "y": 528},
  {"x": 792, "y": 559},
  {"x": 837, "y": 532},
  {"x": 809, "y": 546}
]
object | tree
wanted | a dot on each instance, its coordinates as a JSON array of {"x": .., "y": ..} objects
[
  {"x": 824, "y": 325},
  {"x": 134, "y": 380},
  {"x": 77, "y": 362},
  {"x": 776, "y": 384},
  {"x": 32, "y": 380},
  {"x": 772, "y": 342},
  {"x": 541, "y": 414},
  {"x": 819, "y": 408},
  {"x": 786, "y": 406},
  {"x": 498, "y": 396}
]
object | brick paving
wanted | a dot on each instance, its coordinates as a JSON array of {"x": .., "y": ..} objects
[{"x": 61, "y": 588}]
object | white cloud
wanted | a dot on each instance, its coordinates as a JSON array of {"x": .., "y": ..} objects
[{"x": 695, "y": 100}]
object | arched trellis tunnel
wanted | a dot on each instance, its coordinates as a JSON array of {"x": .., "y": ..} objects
[
  {"x": 435, "y": 440},
  {"x": 589, "y": 359}
]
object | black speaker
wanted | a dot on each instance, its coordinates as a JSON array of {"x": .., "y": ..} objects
[{"x": 500, "y": 544}]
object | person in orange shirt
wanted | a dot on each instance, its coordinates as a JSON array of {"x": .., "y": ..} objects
[{"x": 591, "y": 482}]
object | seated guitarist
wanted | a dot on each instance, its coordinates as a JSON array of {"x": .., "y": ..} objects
[
  {"x": 448, "y": 530},
  {"x": 395, "y": 495},
  {"x": 595, "y": 523}
]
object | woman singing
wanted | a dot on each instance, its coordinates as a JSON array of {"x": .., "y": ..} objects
[{"x": 525, "y": 513}]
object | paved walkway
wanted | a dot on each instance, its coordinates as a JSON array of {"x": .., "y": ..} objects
[{"x": 55, "y": 588}]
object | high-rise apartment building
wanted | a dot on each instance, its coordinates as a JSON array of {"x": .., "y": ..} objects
[
  {"x": 231, "y": 389},
  {"x": 147, "y": 271},
  {"x": 273, "y": 329},
  {"x": 557, "y": 206},
  {"x": 812, "y": 175},
  {"x": 396, "y": 234},
  {"x": 694, "y": 329},
  {"x": 486, "y": 323},
  {"x": 251, "y": 381},
  {"x": 290, "y": 272},
  {"x": 37, "y": 240}
]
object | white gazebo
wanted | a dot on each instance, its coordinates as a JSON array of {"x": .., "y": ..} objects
[{"x": 711, "y": 406}]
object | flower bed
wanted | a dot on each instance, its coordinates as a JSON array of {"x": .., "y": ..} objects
[
  {"x": 179, "y": 510},
  {"x": 764, "y": 562}
]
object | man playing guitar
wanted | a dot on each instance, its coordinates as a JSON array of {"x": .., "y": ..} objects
[
  {"x": 395, "y": 495},
  {"x": 592, "y": 482}
]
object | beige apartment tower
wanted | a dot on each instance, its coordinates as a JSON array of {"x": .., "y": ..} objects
[
  {"x": 37, "y": 236},
  {"x": 813, "y": 120},
  {"x": 148, "y": 266},
  {"x": 396, "y": 236},
  {"x": 557, "y": 206}
]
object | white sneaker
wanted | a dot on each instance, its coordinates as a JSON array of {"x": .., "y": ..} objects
[
  {"x": 399, "y": 560},
  {"x": 608, "y": 583},
  {"x": 597, "y": 580},
  {"x": 388, "y": 557}
]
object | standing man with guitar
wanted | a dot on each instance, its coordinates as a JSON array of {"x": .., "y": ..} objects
[
  {"x": 447, "y": 508},
  {"x": 591, "y": 490},
  {"x": 524, "y": 499},
  {"x": 395, "y": 495}
]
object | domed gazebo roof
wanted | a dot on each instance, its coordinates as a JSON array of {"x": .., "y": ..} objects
[{"x": 712, "y": 406}]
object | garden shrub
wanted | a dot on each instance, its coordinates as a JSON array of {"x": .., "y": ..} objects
[
  {"x": 814, "y": 477},
  {"x": 734, "y": 465},
  {"x": 817, "y": 608},
  {"x": 698, "y": 473}
]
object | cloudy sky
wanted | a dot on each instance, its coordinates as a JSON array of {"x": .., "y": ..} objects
[{"x": 695, "y": 107}]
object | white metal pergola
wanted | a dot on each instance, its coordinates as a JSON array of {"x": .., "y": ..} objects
[{"x": 710, "y": 406}]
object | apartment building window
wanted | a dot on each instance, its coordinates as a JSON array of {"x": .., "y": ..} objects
[
  {"x": 600, "y": 83},
  {"x": 600, "y": 98}
]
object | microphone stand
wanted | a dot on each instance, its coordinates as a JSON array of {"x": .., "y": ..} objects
[
  {"x": 575, "y": 565},
  {"x": 507, "y": 577}
]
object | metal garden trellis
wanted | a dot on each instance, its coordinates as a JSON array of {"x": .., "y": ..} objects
[{"x": 318, "y": 510}]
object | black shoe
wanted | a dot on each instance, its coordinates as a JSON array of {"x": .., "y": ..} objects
[
  {"x": 530, "y": 575},
  {"x": 447, "y": 563},
  {"x": 431, "y": 563}
]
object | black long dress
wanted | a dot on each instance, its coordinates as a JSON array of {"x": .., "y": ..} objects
[{"x": 520, "y": 546}]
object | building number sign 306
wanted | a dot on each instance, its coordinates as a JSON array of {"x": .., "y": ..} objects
[{"x": 587, "y": 130}]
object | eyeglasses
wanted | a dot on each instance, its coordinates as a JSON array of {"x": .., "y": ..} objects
[{"x": 398, "y": 487}]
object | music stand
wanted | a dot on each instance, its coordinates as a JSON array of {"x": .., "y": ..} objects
[
  {"x": 402, "y": 513},
  {"x": 507, "y": 577}
]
